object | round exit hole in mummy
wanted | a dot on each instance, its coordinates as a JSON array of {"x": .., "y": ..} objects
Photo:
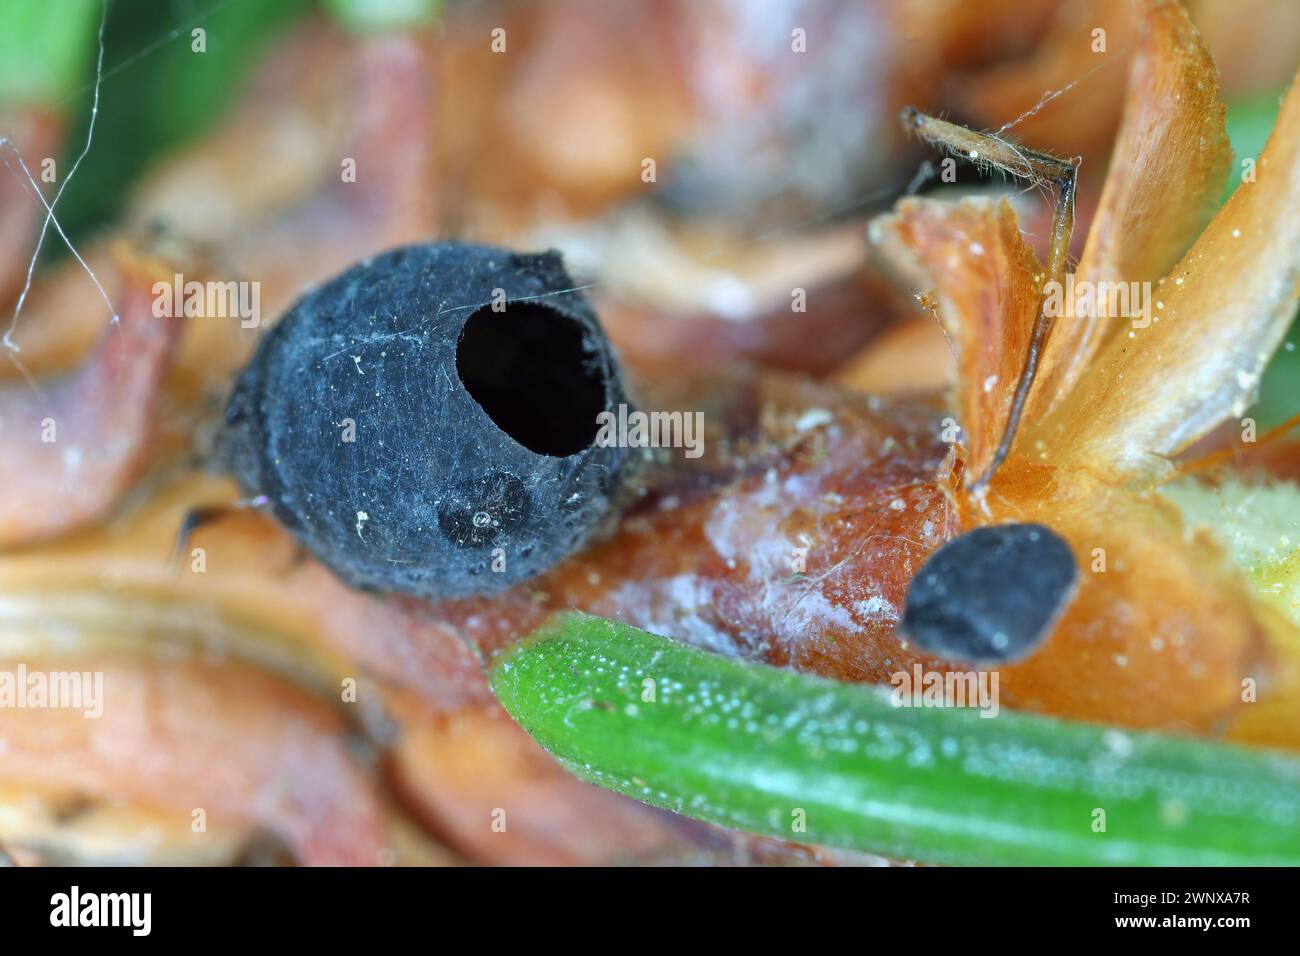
[{"x": 533, "y": 371}]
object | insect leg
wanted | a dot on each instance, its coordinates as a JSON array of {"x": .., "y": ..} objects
[
  {"x": 203, "y": 515},
  {"x": 1039, "y": 169}
]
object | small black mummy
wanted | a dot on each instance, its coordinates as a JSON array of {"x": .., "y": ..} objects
[
  {"x": 991, "y": 595},
  {"x": 425, "y": 421}
]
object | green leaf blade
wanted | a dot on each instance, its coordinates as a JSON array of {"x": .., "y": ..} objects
[{"x": 760, "y": 749}]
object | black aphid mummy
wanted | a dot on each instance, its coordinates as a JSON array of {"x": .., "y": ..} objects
[
  {"x": 991, "y": 594},
  {"x": 425, "y": 421}
]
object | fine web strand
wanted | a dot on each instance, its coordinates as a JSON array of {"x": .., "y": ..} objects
[{"x": 49, "y": 207}]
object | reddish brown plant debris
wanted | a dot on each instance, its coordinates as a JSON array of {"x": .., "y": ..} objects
[{"x": 75, "y": 447}]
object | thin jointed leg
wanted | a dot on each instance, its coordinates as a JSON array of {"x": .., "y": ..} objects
[{"x": 1040, "y": 170}]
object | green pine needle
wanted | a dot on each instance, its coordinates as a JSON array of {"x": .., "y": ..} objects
[{"x": 804, "y": 759}]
